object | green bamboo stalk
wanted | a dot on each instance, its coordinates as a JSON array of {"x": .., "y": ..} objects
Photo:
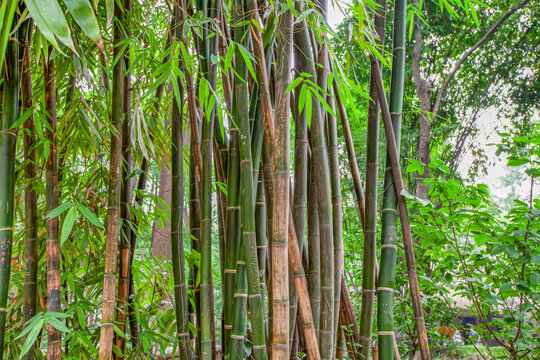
[
  {"x": 322, "y": 182},
  {"x": 54, "y": 336},
  {"x": 195, "y": 232},
  {"x": 30, "y": 195},
  {"x": 8, "y": 146},
  {"x": 236, "y": 350},
  {"x": 369, "y": 268},
  {"x": 389, "y": 235},
  {"x": 115, "y": 180},
  {"x": 337, "y": 213},
  {"x": 177, "y": 243},
  {"x": 248, "y": 244},
  {"x": 399, "y": 187},
  {"x": 314, "y": 249},
  {"x": 260, "y": 233},
  {"x": 232, "y": 234},
  {"x": 281, "y": 146},
  {"x": 141, "y": 185}
]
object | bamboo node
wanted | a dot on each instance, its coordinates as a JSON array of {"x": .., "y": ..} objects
[
  {"x": 385, "y": 333},
  {"x": 9, "y": 132},
  {"x": 258, "y": 347},
  {"x": 253, "y": 296},
  {"x": 363, "y": 338},
  {"x": 237, "y": 337},
  {"x": 385, "y": 289},
  {"x": 369, "y": 291},
  {"x": 393, "y": 246},
  {"x": 6, "y": 229},
  {"x": 389, "y": 210},
  {"x": 227, "y": 327},
  {"x": 230, "y": 271},
  {"x": 240, "y": 295}
]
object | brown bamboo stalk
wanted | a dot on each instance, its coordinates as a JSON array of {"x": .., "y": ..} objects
[
  {"x": 113, "y": 215},
  {"x": 125, "y": 241},
  {"x": 349, "y": 145},
  {"x": 30, "y": 195},
  {"x": 399, "y": 185},
  {"x": 280, "y": 267},
  {"x": 54, "y": 336}
]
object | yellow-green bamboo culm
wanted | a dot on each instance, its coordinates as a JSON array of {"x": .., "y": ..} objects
[
  {"x": 389, "y": 235},
  {"x": 369, "y": 264}
]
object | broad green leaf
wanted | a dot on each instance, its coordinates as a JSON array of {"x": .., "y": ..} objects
[
  {"x": 57, "y": 324},
  {"x": 83, "y": 14},
  {"x": 32, "y": 336},
  {"x": 67, "y": 226},
  {"x": 59, "y": 210},
  {"x": 82, "y": 318},
  {"x": 89, "y": 215},
  {"x": 7, "y": 12},
  {"x": 50, "y": 19}
]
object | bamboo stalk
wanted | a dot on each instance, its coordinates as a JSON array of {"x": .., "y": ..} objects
[
  {"x": 141, "y": 185},
  {"x": 30, "y": 195},
  {"x": 337, "y": 211},
  {"x": 115, "y": 179},
  {"x": 8, "y": 146},
  {"x": 369, "y": 264},
  {"x": 314, "y": 249},
  {"x": 195, "y": 232},
  {"x": 125, "y": 195},
  {"x": 177, "y": 243},
  {"x": 300, "y": 281},
  {"x": 281, "y": 148},
  {"x": 402, "y": 206},
  {"x": 300, "y": 187},
  {"x": 389, "y": 234},
  {"x": 349, "y": 145},
  {"x": 54, "y": 336},
  {"x": 249, "y": 242},
  {"x": 322, "y": 182},
  {"x": 232, "y": 234}
]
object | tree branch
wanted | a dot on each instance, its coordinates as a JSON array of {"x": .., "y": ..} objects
[{"x": 441, "y": 92}]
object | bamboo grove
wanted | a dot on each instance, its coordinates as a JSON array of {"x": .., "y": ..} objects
[{"x": 244, "y": 105}]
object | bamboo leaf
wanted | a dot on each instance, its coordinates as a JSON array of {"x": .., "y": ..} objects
[
  {"x": 89, "y": 215},
  {"x": 67, "y": 225},
  {"x": 84, "y": 16},
  {"x": 32, "y": 336},
  {"x": 22, "y": 118},
  {"x": 294, "y": 84},
  {"x": 308, "y": 107},
  {"x": 50, "y": 19},
  {"x": 248, "y": 57},
  {"x": 57, "y": 324},
  {"x": 7, "y": 11},
  {"x": 59, "y": 210}
]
